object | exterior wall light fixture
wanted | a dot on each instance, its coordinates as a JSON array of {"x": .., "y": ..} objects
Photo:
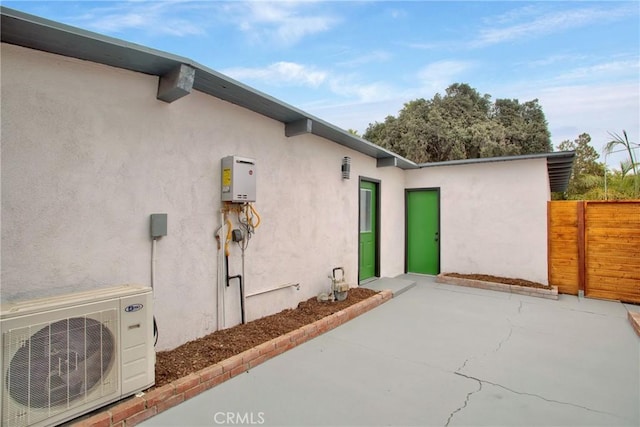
[{"x": 346, "y": 167}]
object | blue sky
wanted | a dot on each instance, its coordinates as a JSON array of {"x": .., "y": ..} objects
[{"x": 355, "y": 62}]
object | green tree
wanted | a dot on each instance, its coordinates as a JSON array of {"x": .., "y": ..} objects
[
  {"x": 525, "y": 125},
  {"x": 462, "y": 124},
  {"x": 588, "y": 174}
]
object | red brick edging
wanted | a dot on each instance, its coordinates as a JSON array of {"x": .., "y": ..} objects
[
  {"x": 550, "y": 293},
  {"x": 137, "y": 409}
]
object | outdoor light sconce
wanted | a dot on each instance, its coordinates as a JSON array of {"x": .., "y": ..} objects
[{"x": 346, "y": 167}]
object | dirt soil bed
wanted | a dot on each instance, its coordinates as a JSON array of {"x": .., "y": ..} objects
[
  {"x": 497, "y": 279},
  {"x": 213, "y": 348}
]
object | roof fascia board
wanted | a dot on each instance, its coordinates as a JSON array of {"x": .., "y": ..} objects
[
  {"x": 561, "y": 154},
  {"x": 559, "y": 165}
]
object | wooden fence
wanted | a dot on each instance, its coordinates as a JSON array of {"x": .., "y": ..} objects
[{"x": 594, "y": 247}]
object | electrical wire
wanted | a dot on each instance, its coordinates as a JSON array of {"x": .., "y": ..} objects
[
  {"x": 153, "y": 279},
  {"x": 156, "y": 334},
  {"x": 153, "y": 262},
  {"x": 249, "y": 220}
]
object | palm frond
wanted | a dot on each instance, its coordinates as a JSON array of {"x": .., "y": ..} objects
[{"x": 625, "y": 166}]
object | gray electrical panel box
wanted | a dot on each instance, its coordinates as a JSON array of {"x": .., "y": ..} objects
[
  {"x": 238, "y": 179},
  {"x": 158, "y": 225}
]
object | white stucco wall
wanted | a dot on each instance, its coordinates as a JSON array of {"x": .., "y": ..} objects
[
  {"x": 493, "y": 216},
  {"x": 88, "y": 153}
]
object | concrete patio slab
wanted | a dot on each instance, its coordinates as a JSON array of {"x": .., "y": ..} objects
[
  {"x": 438, "y": 356},
  {"x": 394, "y": 284}
]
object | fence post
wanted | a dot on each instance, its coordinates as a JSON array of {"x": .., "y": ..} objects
[
  {"x": 549, "y": 247},
  {"x": 582, "y": 260}
]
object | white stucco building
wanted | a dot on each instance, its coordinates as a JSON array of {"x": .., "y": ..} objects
[{"x": 98, "y": 134}]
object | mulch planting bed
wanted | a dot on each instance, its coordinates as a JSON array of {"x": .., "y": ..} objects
[
  {"x": 213, "y": 348},
  {"x": 497, "y": 279}
]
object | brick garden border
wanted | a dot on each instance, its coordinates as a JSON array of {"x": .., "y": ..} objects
[
  {"x": 551, "y": 293},
  {"x": 136, "y": 409}
]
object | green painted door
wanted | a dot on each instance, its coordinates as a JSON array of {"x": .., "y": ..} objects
[
  {"x": 368, "y": 217},
  {"x": 423, "y": 231}
]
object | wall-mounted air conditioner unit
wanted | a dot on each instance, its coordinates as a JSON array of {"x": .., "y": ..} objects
[{"x": 68, "y": 355}]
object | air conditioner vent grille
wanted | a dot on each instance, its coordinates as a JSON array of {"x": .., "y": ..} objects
[{"x": 52, "y": 367}]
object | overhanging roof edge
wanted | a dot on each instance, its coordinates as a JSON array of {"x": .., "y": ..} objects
[
  {"x": 556, "y": 154},
  {"x": 91, "y": 46},
  {"x": 559, "y": 165}
]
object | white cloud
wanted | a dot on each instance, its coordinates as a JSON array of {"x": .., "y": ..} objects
[
  {"x": 609, "y": 70},
  {"x": 397, "y": 13},
  {"x": 280, "y": 22},
  {"x": 441, "y": 74},
  {"x": 555, "y": 59},
  {"x": 375, "y": 56},
  {"x": 284, "y": 23},
  {"x": 351, "y": 88},
  {"x": 548, "y": 23},
  {"x": 346, "y": 86},
  {"x": 279, "y": 73},
  {"x": 512, "y": 15},
  {"x": 150, "y": 17}
]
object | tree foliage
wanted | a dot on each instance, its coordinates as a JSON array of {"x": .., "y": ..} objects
[
  {"x": 588, "y": 174},
  {"x": 463, "y": 124},
  {"x": 630, "y": 165},
  {"x": 588, "y": 177}
]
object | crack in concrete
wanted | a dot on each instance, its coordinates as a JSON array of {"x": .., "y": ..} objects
[
  {"x": 507, "y": 338},
  {"x": 466, "y": 400},
  {"x": 481, "y": 382},
  {"x": 463, "y": 365},
  {"x": 522, "y": 393},
  {"x": 589, "y": 312},
  {"x": 499, "y": 346},
  {"x": 457, "y": 372}
]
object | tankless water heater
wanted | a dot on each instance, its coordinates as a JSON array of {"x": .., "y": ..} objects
[{"x": 238, "y": 179}]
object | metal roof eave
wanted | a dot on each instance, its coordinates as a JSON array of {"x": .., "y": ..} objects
[
  {"x": 41, "y": 34},
  {"x": 342, "y": 137},
  {"x": 559, "y": 165},
  {"x": 50, "y": 36},
  {"x": 560, "y": 168}
]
